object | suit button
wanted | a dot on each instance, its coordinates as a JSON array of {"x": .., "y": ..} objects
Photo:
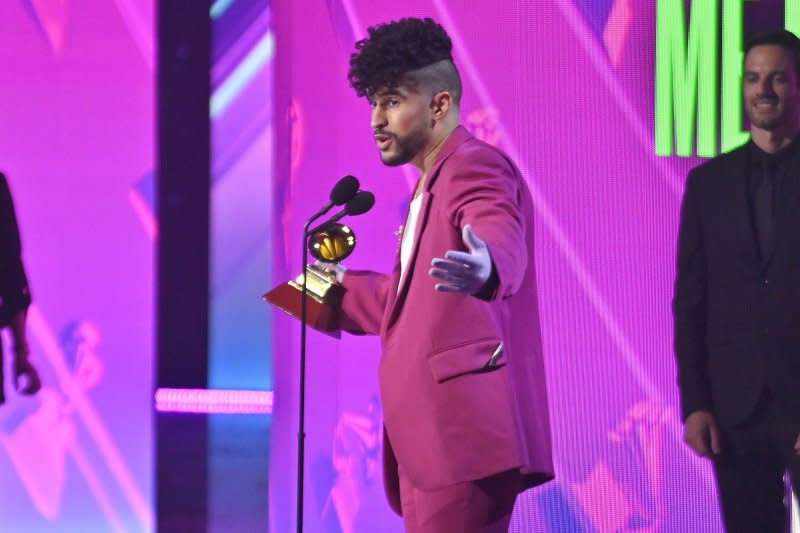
[{"x": 765, "y": 281}]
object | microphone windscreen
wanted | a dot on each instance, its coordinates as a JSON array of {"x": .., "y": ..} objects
[
  {"x": 360, "y": 204},
  {"x": 344, "y": 190}
]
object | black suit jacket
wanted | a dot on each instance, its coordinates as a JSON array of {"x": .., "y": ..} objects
[
  {"x": 737, "y": 314},
  {"x": 14, "y": 291}
]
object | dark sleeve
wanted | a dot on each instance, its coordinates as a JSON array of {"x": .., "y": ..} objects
[
  {"x": 14, "y": 289},
  {"x": 689, "y": 307}
]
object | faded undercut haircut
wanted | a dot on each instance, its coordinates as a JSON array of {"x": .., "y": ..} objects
[{"x": 409, "y": 51}]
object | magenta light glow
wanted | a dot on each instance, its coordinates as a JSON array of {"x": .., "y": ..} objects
[{"x": 214, "y": 401}]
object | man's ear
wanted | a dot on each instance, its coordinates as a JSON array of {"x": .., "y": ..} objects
[{"x": 441, "y": 104}]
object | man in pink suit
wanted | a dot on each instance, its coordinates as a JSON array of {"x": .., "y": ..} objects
[{"x": 461, "y": 377}]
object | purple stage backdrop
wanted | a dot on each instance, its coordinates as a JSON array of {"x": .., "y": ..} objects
[
  {"x": 241, "y": 115},
  {"x": 77, "y": 145},
  {"x": 567, "y": 88}
]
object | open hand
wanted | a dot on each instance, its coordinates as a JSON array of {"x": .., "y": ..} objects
[{"x": 463, "y": 272}]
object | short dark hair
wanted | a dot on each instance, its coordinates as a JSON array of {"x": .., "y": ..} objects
[
  {"x": 782, "y": 38},
  {"x": 412, "y": 50}
]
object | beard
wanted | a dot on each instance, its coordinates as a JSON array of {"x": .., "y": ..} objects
[
  {"x": 777, "y": 118},
  {"x": 405, "y": 149}
]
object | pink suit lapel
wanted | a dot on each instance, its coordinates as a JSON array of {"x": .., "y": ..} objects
[{"x": 457, "y": 137}]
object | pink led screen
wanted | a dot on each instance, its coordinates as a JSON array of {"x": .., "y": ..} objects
[
  {"x": 77, "y": 146},
  {"x": 567, "y": 88}
]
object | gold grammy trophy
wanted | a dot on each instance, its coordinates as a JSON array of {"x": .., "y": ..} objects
[{"x": 330, "y": 244}]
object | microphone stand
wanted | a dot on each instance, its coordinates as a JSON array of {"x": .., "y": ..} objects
[{"x": 301, "y": 435}]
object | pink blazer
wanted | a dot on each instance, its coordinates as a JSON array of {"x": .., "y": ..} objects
[{"x": 450, "y": 414}]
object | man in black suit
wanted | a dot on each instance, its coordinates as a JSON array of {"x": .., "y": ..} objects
[
  {"x": 15, "y": 296},
  {"x": 737, "y": 297}
]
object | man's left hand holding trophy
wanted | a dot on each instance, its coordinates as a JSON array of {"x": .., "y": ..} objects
[{"x": 329, "y": 243}]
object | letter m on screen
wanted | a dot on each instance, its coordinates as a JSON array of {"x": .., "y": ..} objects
[{"x": 686, "y": 89}]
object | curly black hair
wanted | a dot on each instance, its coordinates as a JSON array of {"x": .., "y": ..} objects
[{"x": 394, "y": 49}]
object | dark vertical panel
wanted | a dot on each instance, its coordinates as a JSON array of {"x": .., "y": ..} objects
[
  {"x": 184, "y": 31},
  {"x": 184, "y": 52}
]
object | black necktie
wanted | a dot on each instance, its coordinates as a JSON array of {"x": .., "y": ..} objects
[{"x": 763, "y": 206}]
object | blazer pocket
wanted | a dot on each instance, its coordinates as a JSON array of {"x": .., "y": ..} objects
[{"x": 470, "y": 357}]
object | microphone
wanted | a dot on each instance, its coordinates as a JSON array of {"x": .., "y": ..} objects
[
  {"x": 360, "y": 204},
  {"x": 344, "y": 191}
]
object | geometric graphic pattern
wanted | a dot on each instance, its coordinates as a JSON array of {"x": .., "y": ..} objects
[{"x": 77, "y": 91}]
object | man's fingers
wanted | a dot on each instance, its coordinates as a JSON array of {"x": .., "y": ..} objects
[
  {"x": 462, "y": 258},
  {"x": 702, "y": 434},
  {"x": 450, "y": 266},
  {"x": 465, "y": 272},
  {"x": 31, "y": 383},
  {"x": 716, "y": 439},
  {"x": 441, "y": 287},
  {"x": 470, "y": 239},
  {"x": 697, "y": 438},
  {"x": 446, "y": 275},
  {"x": 699, "y": 443}
]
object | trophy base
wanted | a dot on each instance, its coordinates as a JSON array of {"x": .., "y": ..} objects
[{"x": 324, "y": 296}]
